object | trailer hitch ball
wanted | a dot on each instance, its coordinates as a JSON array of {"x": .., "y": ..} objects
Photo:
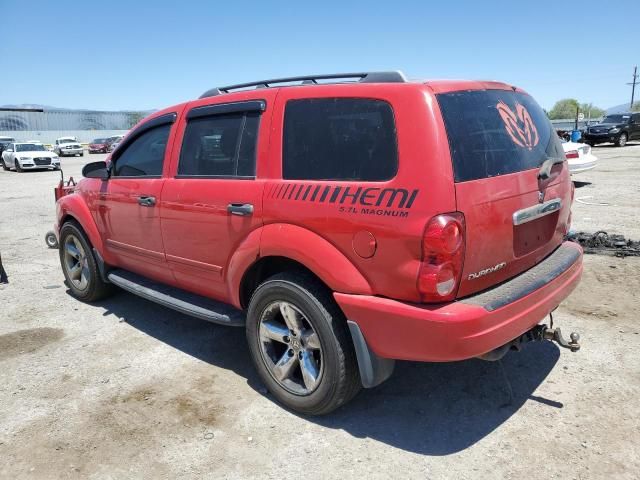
[{"x": 555, "y": 335}]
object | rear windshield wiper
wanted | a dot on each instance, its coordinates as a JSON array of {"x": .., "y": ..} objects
[{"x": 545, "y": 169}]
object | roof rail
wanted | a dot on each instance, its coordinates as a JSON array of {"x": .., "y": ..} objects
[{"x": 395, "y": 76}]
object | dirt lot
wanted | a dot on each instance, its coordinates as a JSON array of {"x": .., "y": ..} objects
[{"x": 125, "y": 388}]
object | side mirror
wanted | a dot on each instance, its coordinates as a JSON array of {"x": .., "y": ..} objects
[
  {"x": 96, "y": 170},
  {"x": 9, "y": 150}
]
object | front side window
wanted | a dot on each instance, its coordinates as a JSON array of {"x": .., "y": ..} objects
[
  {"x": 220, "y": 146},
  {"x": 339, "y": 139},
  {"x": 145, "y": 155}
]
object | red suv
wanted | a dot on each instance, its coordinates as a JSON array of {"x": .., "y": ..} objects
[{"x": 345, "y": 220}]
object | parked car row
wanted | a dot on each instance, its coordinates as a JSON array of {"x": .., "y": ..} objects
[{"x": 105, "y": 145}]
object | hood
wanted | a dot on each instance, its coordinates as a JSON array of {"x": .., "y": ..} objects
[
  {"x": 605, "y": 126},
  {"x": 37, "y": 154}
]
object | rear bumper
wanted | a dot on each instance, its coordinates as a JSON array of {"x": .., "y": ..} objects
[{"x": 469, "y": 327}]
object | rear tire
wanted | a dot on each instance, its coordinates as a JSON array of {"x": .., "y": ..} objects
[
  {"x": 4, "y": 165},
  {"x": 622, "y": 140},
  {"x": 311, "y": 369},
  {"x": 79, "y": 265}
]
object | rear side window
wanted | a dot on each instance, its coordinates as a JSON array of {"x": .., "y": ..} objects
[
  {"x": 496, "y": 132},
  {"x": 339, "y": 139},
  {"x": 145, "y": 155},
  {"x": 220, "y": 146}
]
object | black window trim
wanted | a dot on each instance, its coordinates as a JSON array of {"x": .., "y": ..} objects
[
  {"x": 218, "y": 109},
  {"x": 395, "y": 133},
  {"x": 226, "y": 108},
  {"x": 166, "y": 119}
]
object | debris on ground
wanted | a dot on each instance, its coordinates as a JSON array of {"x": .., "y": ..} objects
[{"x": 602, "y": 243}]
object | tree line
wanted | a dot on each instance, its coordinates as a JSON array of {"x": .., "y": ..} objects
[{"x": 566, "y": 108}]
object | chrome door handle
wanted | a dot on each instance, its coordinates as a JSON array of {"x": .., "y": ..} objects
[
  {"x": 146, "y": 201},
  {"x": 242, "y": 209}
]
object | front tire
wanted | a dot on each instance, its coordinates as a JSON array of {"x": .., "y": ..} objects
[
  {"x": 622, "y": 140},
  {"x": 300, "y": 344},
  {"x": 79, "y": 265},
  {"x": 18, "y": 167}
]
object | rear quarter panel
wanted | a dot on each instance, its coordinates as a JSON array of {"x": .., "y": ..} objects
[{"x": 348, "y": 213}]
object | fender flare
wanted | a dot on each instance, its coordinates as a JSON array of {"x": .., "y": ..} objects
[
  {"x": 303, "y": 246},
  {"x": 75, "y": 207}
]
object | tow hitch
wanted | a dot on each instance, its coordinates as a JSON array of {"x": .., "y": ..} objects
[
  {"x": 555, "y": 335},
  {"x": 537, "y": 333}
]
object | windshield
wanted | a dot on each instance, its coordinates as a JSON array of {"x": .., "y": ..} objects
[
  {"x": 29, "y": 147},
  {"x": 496, "y": 132},
  {"x": 67, "y": 140},
  {"x": 616, "y": 119},
  {"x": 100, "y": 140}
]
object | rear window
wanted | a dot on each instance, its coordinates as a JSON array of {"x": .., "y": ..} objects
[
  {"x": 339, "y": 139},
  {"x": 496, "y": 132}
]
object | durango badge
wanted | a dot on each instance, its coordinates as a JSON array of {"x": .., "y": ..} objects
[
  {"x": 519, "y": 125},
  {"x": 482, "y": 273}
]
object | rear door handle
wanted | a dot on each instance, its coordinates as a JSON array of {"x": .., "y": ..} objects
[
  {"x": 242, "y": 209},
  {"x": 147, "y": 201}
]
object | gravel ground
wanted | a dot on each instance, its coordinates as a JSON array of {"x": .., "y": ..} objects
[{"x": 128, "y": 389}]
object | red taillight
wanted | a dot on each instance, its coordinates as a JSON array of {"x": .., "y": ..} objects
[
  {"x": 442, "y": 258},
  {"x": 571, "y": 154}
]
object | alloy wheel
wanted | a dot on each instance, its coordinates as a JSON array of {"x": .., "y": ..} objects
[
  {"x": 290, "y": 348},
  {"x": 76, "y": 263}
]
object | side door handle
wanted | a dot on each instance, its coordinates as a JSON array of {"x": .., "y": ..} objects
[
  {"x": 242, "y": 209},
  {"x": 146, "y": 200}
]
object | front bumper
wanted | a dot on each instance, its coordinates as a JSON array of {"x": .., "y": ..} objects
[
  {"x": 32, "y": 166},
  {"x": 469, "y": 327},
  {"x": 75, "y": 151},
  {"x": 600, "y": 137}
]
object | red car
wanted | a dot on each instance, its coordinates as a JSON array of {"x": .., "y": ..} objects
[
  {"x": 345, "y": 225},
  {"x": 99, "y": 145}
]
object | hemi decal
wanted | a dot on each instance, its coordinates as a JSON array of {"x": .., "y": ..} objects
[{"x": 393, "y": 198}]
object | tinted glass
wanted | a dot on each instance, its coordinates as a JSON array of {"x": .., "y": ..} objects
[
  {"x": 496, "y": 132},
  {"x": 29, "y": 147},
  {"x": 339, "y": 139},
  {"x": 616, "y": 119},
  {"x": 145, "y": 155},
  {"x": 220, "y": 145}
]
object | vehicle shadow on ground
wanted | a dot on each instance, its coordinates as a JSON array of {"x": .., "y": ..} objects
[
  {"x": 431, "y": 409},
  {"x": 580, "y": 184}
]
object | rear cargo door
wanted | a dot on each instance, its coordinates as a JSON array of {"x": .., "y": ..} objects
[{"x": 516, "y": 214}]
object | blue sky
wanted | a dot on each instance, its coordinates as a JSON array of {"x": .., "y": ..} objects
[{"x": 150, "y": 54}]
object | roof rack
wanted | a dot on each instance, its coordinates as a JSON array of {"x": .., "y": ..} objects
[{"x": 395, "y": 76}]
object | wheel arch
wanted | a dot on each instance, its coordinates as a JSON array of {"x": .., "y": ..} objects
[
  {"x": 73, "y": 208},
  {"x": 282, "y": 247}
]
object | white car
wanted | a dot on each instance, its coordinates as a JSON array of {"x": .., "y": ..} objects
[
  {"x": 68, "y": 146},
  {"x": 29, "y": 156},
  {"x": 579, "y": 157}
]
